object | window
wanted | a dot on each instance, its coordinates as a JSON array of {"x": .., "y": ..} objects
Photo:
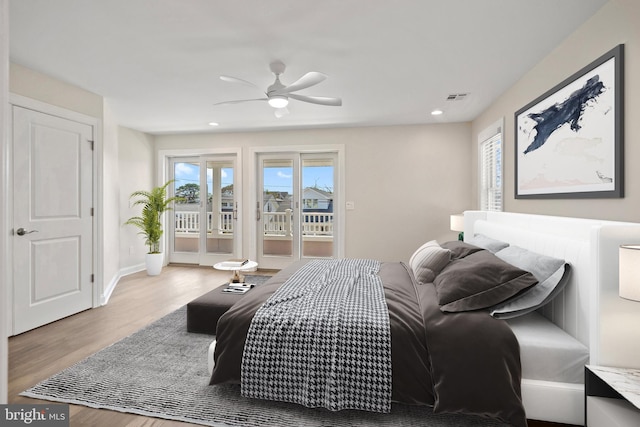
[{"x": 490, "y": 168}]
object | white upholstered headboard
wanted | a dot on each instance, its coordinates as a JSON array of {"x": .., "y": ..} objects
[{"x": 589, "y": 308}]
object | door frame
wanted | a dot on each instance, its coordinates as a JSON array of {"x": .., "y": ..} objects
[
  {"x": 4, "y": 198},
  {"x": 278, "y": 261},
  {"x": 339, "y": 205},
  {"x": 96, "y": 124},
  {"x": 163, "y": 161}
]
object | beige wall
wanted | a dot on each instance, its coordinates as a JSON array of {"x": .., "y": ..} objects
[
  {"x": 26, "y": 82},
  {"x": 405, "y": 180},
  {"x": 135, "y": 160},
  {"x": 109, "y": 197},
  {"x": 615, "y": 23}
]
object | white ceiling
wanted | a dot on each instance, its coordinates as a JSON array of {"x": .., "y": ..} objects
[{"x": 158, "y": 62}]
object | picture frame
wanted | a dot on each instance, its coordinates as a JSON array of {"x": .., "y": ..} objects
[{"x": 569, "y": 141}]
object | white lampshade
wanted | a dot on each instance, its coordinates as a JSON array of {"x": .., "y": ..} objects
[
  {"x": 278, "y": 101},
  {"x": 629, "y": 264},
  {"x": 457, "y": 222}
]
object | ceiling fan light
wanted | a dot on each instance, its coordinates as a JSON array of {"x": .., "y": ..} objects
[{"x": 278, "y": 101}]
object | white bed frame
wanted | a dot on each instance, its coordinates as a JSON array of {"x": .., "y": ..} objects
[{"x": 586, "y": 307}]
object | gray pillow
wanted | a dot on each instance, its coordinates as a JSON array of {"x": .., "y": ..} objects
[
  {"x": 552, "y": 274},
  {"x": 484, "y": 242},
  {"x": 428, "y": 260},
  {"x": 479, "y": 281}
]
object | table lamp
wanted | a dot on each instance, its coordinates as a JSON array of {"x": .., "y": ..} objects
[
  {"x": 457, "y": 224},
  {"x": 629, "y": 264}
]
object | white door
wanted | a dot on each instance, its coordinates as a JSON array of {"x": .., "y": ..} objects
[
  {"x": 52, "y": 218},
  {"x": 295, "y": 209},
  {"x": 278, "y": 204},
  {"x": 206, "y": 226}
]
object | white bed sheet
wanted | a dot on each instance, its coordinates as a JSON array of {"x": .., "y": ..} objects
[{"x": 547, "y": 352}]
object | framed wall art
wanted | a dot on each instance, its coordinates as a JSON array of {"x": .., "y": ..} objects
[{"x": 569, "y": 141}]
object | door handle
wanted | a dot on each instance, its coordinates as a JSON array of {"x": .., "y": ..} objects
[{"x": 21, "y": 231}]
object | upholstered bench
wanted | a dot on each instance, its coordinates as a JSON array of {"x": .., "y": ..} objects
[{"x": 203, "y": 312}]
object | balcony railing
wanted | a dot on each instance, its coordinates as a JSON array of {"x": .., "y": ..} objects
[
  {"x": 275, "y": 223},
  {"x": 189, "y": 222}
]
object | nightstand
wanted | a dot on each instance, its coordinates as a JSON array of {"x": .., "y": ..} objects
[{"x": 612, "y": 396}]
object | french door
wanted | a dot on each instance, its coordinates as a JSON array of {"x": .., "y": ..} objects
[
  {"x": 205, "y": 227},
  {"x": 295, "y": 207}
]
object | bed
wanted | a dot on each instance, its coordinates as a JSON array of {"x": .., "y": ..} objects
[
  {"x": 575, "y": 317},
  {"x": 565, "y": 330}
]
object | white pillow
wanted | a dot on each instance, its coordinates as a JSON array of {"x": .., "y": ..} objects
[{"x": 428, "y": 260}]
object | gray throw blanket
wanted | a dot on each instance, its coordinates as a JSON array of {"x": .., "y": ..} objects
[{"x": 323, "y": 339}]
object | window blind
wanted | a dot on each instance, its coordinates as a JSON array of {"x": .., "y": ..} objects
[{"x": 490, "y": 153}]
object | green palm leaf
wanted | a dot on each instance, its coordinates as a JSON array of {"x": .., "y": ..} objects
[{"x": 154, "y": 204}]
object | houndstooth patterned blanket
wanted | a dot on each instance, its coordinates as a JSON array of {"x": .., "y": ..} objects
[{"x": 323, "y": 339}]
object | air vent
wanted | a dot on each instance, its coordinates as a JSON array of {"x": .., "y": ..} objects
[{"x": 457, "y": 97}]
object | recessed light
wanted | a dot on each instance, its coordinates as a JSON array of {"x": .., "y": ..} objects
[
  {"x": 214, "y": 124},
  {"x": 436, "y": 112}
]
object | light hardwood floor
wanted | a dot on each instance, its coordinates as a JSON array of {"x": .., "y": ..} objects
[{"x": 137, "y": 301}]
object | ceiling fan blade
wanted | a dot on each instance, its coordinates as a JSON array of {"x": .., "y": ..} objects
[
  {"x": 240, "y": 100},
  {"x": 230, "y": 79},
  {"x": 309, "y": 79},
  {"x": 281, "y": 112},
  {"x": 322, "y": 100}
]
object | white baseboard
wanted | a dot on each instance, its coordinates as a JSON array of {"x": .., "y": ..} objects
[{"x": 114, "y": 281}]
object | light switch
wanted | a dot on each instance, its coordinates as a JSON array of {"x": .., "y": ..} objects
[{"x": 351, "y": 206}]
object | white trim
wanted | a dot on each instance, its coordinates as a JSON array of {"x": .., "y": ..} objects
[
  {"x": 491, "y": 130},
  {"x": 4, "y": 200},
  {"x": 53, "y": 110},
  {"x": 116, "y": 279}
]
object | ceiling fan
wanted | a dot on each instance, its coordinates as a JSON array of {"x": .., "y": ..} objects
[{"x": 278, "y": 94}]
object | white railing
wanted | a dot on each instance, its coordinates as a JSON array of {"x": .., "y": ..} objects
[
  {"x": 189, "y": 222},
  {"x": 312, "y": 223},
  {"x": 275, "y": 223}
]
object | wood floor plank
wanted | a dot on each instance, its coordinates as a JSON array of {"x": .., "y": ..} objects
[{"x": 137, "y": 301}]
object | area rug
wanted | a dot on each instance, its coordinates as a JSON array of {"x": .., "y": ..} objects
[{"x": 161, "y": 371}]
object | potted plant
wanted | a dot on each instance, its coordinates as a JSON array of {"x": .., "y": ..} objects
[{"x": 154, "y": 203}]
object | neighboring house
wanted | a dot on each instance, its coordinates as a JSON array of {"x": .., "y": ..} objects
[
  {"x": 313, "y": 200},
  {"x": 316, "y": 200},
  {"x": 276, "y": 201}
]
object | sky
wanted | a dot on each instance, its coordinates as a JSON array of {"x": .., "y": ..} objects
[{"x": 275, "y": 178}]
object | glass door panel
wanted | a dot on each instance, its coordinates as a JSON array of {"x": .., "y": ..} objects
[
  {"x": 186, "y": 231},
  {"x": 204, "y": 230},
  {"x": 316, "y": 222},
  {"x": 277, "y": 204},
  {"x": 221, "y": 208}
]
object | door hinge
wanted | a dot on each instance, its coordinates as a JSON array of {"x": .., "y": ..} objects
[
  {"x": 91, "y": 211},
  {"x": 91, "y": 142},
  {"x": 92, "y": 278}
]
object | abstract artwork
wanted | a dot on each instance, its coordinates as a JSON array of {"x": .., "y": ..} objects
[{"x": 569, "y": 141}]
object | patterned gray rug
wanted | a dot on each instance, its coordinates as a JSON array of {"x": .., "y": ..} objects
[{"x": 161, "y": 371}]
